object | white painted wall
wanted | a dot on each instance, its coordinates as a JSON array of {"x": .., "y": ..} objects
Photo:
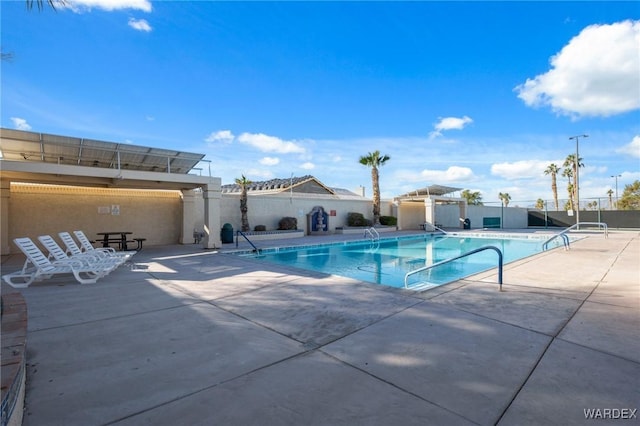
[
  {"x": 267, "y": 210},
  {"x": 412, "y": 215}
]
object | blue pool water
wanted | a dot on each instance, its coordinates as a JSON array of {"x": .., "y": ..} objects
[{"x": 388, "y": 260}]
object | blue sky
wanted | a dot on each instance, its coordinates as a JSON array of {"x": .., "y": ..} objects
[{"x": 475, "y": 95}]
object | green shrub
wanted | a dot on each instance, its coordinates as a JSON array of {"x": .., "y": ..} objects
[
  {"x": 288, "y": 223},
  {"x": 357, "y": 219},
  {"x": 388, "y": 220},
  {"x": 260, "y": 228}
]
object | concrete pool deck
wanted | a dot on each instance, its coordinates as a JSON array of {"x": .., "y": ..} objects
[{"x": 186, "y": 336}]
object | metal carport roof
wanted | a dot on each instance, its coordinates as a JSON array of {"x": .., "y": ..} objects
[{"x": 64, "y": 150}]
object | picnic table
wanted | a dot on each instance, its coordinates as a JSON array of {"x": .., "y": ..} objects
[{"x": 119, "y": 237}]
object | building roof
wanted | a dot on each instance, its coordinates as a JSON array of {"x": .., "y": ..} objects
[
  {"x": 299, "y": 184},
  {"x": 273, "y": 185},
  {"x": 61, "y": 160}
]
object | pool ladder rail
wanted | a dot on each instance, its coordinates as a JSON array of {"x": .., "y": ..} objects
[
  {"x": 565, "y": 239},
  {"x": 375, "y": 238},
  {"x": 424, "y": 286},
  {"x": 373, "y": 234},
  {"x": 256, "y": 249}
]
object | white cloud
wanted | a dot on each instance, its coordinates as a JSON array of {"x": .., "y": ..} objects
[
  {"x": 223, "y": 136},
  {"x": 632, "y": 148},
  {"x": 524, "y": 169},
  {"x": 20, "y": 123},
  {"x": 452, "y": 123},
  {"x": 596, "y": 74},
  {"x": 307, "y": 166},
  {"x": 140, "y": 24},
  {"x": 108, "y": 5},
  {"x": 449, "y": 123},
  {"x": 269, "y": 161},
  {"x": 266, "y": 143},
  {"x": 452, "y": 174}
]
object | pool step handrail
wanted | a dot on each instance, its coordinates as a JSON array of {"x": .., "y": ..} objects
[
  {"x": 435, "y": 228},
  {"x": 576, "y": 225},
  {"x": 375, "y": 235},
  {"x": 565, "y": 241},
  {"x": 424, "y": 268},
  {"x": 256, "y": 249},
  {"x": 599, "y": 224},
  {"x": 440, "y": 229}
]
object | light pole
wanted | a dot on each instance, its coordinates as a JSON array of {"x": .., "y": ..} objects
[
  {"x": 577, "y": 138},
  {"x": 616, "y": 176}
]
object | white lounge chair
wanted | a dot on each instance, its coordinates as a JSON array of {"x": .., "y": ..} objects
[
  {"x": 57, "y": 253},
  {"x": 87, "y": 247},
  {"x": 37, "y": 267},
  {"x": 74, "y": 250}
]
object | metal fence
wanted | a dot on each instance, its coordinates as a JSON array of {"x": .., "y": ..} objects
[{"x": 586, "y": 204}]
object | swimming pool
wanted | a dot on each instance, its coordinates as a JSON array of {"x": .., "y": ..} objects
[{"x": 386, "y": 261}]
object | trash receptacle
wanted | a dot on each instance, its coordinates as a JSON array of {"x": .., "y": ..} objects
[
  {"x": 226, "y": 233},
  {"x": 466, "y": 224}
]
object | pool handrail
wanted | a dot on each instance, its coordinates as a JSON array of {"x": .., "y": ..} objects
[
  {"x": 565, "y": 241},
  {"x": 256, "y": 249},
  {"x": 576, "y": 225},
  {"x": 424, "y": 268},
  {"x": 375, "y": 235},
  {"x": 435, "y": 228},
  {"x": 600, "y": 225}
]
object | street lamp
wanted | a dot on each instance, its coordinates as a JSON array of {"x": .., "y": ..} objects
[
  {"x": 616, "y": 176},
  {"x": 577, "y": 138}
]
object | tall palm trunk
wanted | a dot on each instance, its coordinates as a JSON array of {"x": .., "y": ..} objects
[
  {"x": 244, "y": 209},
  {"x": 552, "y": 169},
  {"x": 244, "y": 183},
  {"x": 375, "y": 180},
  {"x": 554, "y": 188}
]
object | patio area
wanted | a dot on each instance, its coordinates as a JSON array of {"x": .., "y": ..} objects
[{"x": 189, "y": 336}]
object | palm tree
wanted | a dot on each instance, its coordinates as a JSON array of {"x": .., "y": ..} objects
[
  {"x": 505, "y": 198},
  {"x": 568, "y": 173},
  {"x": 553, "y": 170},
  {"x": 610, "y": 194},
  {"x": 40, "y": 3},
  {"x": 375, "y": 160},
  {"x": 473, "y": 198},
  {"x": 244, "y": 182},
  {"x": 570, "y": 161}
]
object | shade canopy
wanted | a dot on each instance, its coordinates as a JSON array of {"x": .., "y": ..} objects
[
  {"x": 64, "y": 150},
  {"x": 431, "y": 190}
]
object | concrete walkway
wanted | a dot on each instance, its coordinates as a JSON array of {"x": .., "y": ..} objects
[{"x": 192, "y": 337}]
